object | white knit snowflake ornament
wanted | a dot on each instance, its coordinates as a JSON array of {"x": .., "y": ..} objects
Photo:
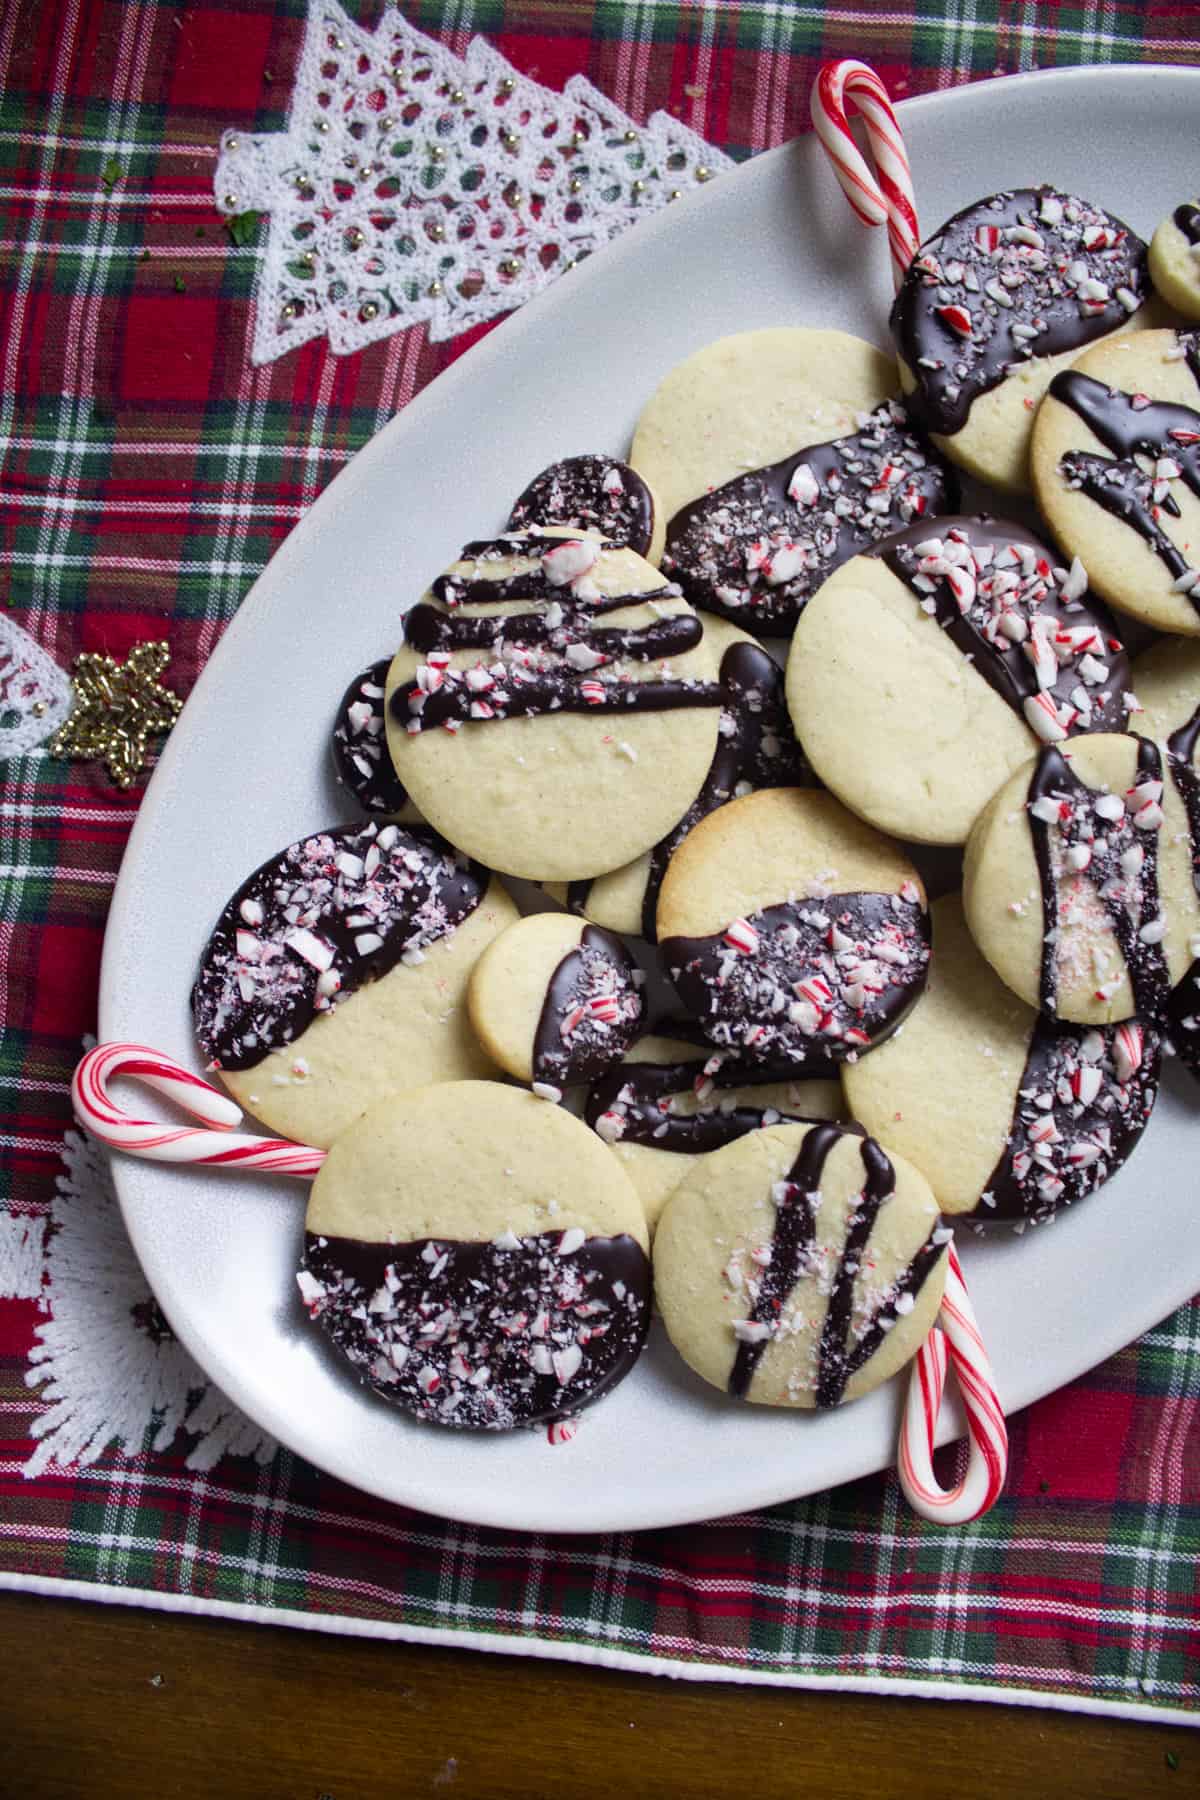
[{"x": 413, "y": 185}]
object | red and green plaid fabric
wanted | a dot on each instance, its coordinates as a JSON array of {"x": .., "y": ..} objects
[{"x": 148, "y": 474}]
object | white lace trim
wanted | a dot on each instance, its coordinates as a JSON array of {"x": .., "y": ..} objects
[
  {"x": 22, "y": 1256},
  {"x": 35, "y": 694},
  {"x": 107, "y": 1374},
  {"x": 415, "y": 186}
]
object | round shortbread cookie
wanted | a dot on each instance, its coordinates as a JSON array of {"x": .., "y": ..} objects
[
  {"x": 994, "y": 304},
  {"x": 800, "y": 1266},
  {"x": 478, "y": 1257},
  {"x": 554, "y": 709},
  {"x": 922, "y": 674},
  {"x": 745, "y": 401},
  {"x": 793, "y": 933},
  {"x": 337, "y": 975},
  {"x": 671, "y": 1101},
  {"x": 1008, "y": 1116},
  {"x": 757, "y": 547},
  {"x": 756, "y": 748},
  {"x": 1116, "y": 470},
  {"x": 554, "y": 1001},
  {"x": 1077, "y": 881},
  {"x": 1175, "y": 259},
  {"x": 1166, "y": 680},
  {"x": 594, "y": 493},
  {"x": 361, "y": 761}
]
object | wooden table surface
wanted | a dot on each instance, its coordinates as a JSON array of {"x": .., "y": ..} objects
[{"x": 114, "y": 1701}]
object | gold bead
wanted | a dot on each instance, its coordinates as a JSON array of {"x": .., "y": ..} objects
[
  {"x": 631, "y": 137},
  {"x": 507, "y": 85},
  {"x": 434, "y": 289},
  {"x": 292, "y": 309},
  {"x": 578, "y": 137},
  {"x": 702, "y": 173},
  {"x": 510, "y": 140},
  {"x": 322, "y": 124},
  {"x": 386, "y": 124},
  {"x": 339, "y": 43},
  {"x": 354, "y": 238},
  {"x": 437, "y": 233},
  {"x": 575, "y": 185},
  {"x": 639, "y": 187},
  {"x": 510, "y": 266},
  {"x": 515, "y": 198},
  {"x": 231, "y": 201},
  {"x": 231, "y": 143},
  {"x": 675, "y": 194},
  {"x": 436, "y": 153},
  {"x": 457, "y": 96},
  {"x": 368, "y": 311},
  {"x": 39, "y": 709}
]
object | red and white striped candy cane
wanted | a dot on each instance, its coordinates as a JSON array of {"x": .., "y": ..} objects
[
  {"x": 218, "y": 1146},
  {"x": 955, "y": 1338},
  {"x": 889, "y": 199}
]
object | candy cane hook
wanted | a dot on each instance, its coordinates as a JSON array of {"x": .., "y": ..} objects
[
  {"x": 955, "y": 1338},
  {"x": 217, "y": 1147},
  {"x": 889, "y": 199}
]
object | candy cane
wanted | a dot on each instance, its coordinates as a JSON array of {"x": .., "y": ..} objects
[
  {"x": 218, "y": 1147},
  {"x": 876, "y": 202},
  {"x": 955, "y": 1338}
]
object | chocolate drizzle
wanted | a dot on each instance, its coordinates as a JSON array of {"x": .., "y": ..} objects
[
  {"x": 483, "y": 1336},
  {"x": 595, "y": 493},
  {"x": 328, "y": 914},
  {"x": 805, "y": 984},
  {"x": 633, "y": 1104},
  {"x": 1034, "y": 272},
  {"x": 591, "y": 1012},
  {"x": 756, "y": 748},
  {"x": 756, "y": 548},
  {"x": 1187, "y": 220},
  {"x": 1121, "y": 870},
  {"x": 360, "y": 754},
  {"x": 1130, "y": 426},
  {"x": 547, "y": 657},
  {"x": 792, "y": 1253},
  {"x": 1084, "y": 1100},
  {"x": 1017, "y": 617},
  {"x": 1183, "y": 1008}
]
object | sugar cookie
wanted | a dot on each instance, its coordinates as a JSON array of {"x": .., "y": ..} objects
[
  {"x": 1007, "y": 1115},
  {"x": 337, "y": 974},
  {"x": 756, "y": 748},
  {"x": 793, "y": 933},
  {"x": 923, "y": 673},
  {"x": 1116, "y": 470},
  {"x": 745, "y": 401},
  {"x": 1004, "y": 295},
  {"x": 547, "y": 744},
  {"x": 594, "y": 493},
  {"x": 672, "y": 1101},
  {"x": 757, "y": 547},
  {"x": 1175, "y": 259},
  {"x": 1077, "y": 881},
  {"x": 442, "y": 1266},
  {"x": 800, "y": 1266},
  {"x": 1168, "y": 675},
  {"x": 554, "y": 1001}
]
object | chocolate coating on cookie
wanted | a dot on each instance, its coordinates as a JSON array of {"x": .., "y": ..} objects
[
  {"x": 1134, "y": 427},
  {"x": 592, "y": 1012},
  {"x": 633, "y": 1104},
  {"x": 544, "y": 660},
  {"x": 841, "y": 1353},
  {"x": 1084, "y": 1101},
  {"x": 805, "y": 984},
  {"x": 1113, "y": 841},
  {"x": 483, "y": 1336},
  {"x": 1032, "y": 272},
  {"x": 755, "y": 549},
  {"x": 1183, "y": 1007},
  {"x": 1031, "y": 628},
  {"x": 360, "y": 754},
  {"x": 328, "y": 914},
  {"x": 590, "y": 492}
]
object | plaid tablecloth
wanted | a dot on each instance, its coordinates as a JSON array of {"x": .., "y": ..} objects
[{"x": 148, "y": 474}]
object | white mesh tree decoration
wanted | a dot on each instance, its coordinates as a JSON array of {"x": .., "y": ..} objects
[{"x": 415, "y": 185}]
